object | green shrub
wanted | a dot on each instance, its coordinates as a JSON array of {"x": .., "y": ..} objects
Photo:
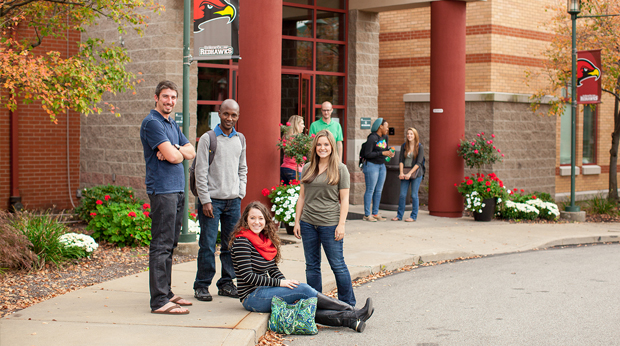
[
  {"x": 109, "y": 193},
  {"x": 544, "y": 196},
  {"x": 601, "y": 205},
  {"x": 14, "y": 246},
  {"x": 44, "y": 232},
  {"x": 121, "y": 223}
]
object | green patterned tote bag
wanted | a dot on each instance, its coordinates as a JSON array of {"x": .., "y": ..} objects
[{"x": 295, "y": 318}]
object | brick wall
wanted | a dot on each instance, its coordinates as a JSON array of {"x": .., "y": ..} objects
[
  {"x": 527, "y": 140},
  {"x": 48, "y": 153},
  {"x": 111, "y": 149},
  {"x": 362, "y": 91}
]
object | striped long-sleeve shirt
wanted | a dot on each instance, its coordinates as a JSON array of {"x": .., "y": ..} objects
[{"x": 252, "y": 269}]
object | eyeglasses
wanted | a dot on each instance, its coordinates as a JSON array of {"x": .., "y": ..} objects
[{"x": 326, "y": 110}]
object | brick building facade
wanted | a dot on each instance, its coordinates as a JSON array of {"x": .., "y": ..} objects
[{"x": 45, "y": 173}]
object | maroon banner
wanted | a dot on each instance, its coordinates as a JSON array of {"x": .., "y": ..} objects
[
  {"x": 216, "y": 29},
  {"x": 589, "y": 75}
]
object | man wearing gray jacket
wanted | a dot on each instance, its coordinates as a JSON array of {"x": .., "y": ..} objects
[{"x": 221, "y": 186}]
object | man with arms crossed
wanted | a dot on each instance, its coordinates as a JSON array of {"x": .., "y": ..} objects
[
  {"x": 165, "y": 148},
  {"x": 326, "y": 123},
  {"x": 221, "y": 186}
]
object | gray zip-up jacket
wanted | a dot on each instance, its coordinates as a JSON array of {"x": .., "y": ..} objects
[{"x": 226, "y": 177}]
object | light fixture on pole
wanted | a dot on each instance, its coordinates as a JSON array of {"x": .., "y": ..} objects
[{"x": 573, "y": 8}]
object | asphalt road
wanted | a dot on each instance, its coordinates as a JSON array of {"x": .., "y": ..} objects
[{"x": 567, "y": 296}]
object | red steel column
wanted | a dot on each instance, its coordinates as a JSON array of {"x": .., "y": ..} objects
[
  {"x": 260, "y": 46},
  {"x": 447, "y": 113}
]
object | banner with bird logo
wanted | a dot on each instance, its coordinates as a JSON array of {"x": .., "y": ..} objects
[
  {"x": 589, "y": 75},
  {"x": 216, "y": 29}
]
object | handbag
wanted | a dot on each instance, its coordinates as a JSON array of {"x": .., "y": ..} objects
[{"x": 295, "y": 318}]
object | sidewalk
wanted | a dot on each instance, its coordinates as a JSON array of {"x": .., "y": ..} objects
[{"x": 117, "y": 312}]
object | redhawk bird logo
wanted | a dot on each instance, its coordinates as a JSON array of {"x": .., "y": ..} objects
[
  {"x": 585, "y": 70},
  {"x": 208, "y": 10}
]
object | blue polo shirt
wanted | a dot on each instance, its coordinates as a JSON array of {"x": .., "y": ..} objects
[{"x": 161, "y": 176}]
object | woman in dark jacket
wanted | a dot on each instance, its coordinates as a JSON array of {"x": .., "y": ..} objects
[
  {"x": 375, "y": 153},
  {"x": 411, "y": 164},
  {"x": 255, "y": 249}
]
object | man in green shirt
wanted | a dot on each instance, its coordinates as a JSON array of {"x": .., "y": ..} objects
[{"x": 326, "y": 123}]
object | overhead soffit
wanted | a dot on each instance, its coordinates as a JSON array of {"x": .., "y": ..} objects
[{"x": 390, "y": 5}]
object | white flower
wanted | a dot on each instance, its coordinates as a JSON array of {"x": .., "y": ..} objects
[{"x": 83, "y": 241}]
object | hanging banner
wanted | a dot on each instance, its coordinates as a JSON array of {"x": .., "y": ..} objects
[
  {"x": 589, "y": 75},
  {"x": 216, "y": 29}
]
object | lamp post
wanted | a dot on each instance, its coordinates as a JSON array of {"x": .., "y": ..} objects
[{"x": 573, "y": 8}]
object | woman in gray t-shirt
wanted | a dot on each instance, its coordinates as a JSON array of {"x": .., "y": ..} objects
[{"x": 321, "y": 212}]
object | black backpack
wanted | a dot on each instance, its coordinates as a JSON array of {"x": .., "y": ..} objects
[
  {"x": 212, "y": 148},
  {"x": 362, "y": 153}
]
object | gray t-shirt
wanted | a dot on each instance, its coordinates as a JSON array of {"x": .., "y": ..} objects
[{"x": 321, "y": 200}]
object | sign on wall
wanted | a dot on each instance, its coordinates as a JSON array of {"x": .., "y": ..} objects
[
  {"x": 589, "y": 75},
  {"x": 216, "y": 29}
]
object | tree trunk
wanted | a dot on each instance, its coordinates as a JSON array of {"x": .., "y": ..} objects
[{"x": 613, "y": 155}]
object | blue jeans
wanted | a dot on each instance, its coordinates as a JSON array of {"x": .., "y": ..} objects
[
  {"x": 287, "y": 174},
  {"x": 315, "y": 236},
  {"x": 415, "y": 187},
  {"x": 260, "y": 299},
  {"x": 374, "y": 175},
  {"x": 166, "y": 219},
  {"x": 228, "y": 212}
]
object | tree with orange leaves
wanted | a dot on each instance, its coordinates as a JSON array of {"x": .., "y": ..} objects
[
  {"x": 592, "y": 33},
  {"x": 77, "y": 82}
]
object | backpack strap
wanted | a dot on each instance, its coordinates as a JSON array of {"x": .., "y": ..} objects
[{"x": 212, "y": 145}]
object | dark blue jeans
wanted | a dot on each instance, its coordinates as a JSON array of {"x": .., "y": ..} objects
[
  {"x": 415, "y": 187},
  {"x": 228, "y": 212},
  {"x": 286, "y": 175},
  {"x": 166, "y": 219},
  {"x": 260, "y": 299},
  {"x": 315, "y": 236}
]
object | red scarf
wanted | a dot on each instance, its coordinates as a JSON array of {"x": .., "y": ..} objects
[{"x": 261, "y": 243}]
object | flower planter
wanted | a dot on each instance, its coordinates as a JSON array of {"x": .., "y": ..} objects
[
  {"x": 487, "y": 210},
  {"x": 289, "y": 229}
]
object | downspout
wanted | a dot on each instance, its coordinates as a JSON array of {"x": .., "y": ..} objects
[{"x": 15, "y": 201}]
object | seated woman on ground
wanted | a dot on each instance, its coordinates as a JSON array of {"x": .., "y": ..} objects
[{"x": 255, "y": 248}]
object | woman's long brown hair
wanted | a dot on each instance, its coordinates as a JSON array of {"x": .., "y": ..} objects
[
  {"x": 293, "y": 130},
  {"x": 333, "y": 173},
  {"x": 270, "y": 230},
  {"x": 412, "y": 147}
]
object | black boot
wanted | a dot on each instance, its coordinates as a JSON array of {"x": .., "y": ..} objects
[
  {"x": 335, "y": 318},
  {"x": 324, "y": 302}
]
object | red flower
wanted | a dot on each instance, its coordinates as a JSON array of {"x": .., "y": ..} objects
[
  {"x": 305, "y": 158},
  {"x": 280, "y": 124},
  {"x": 455, "y": 184},
  {"x": 266, "y": 192},
  {"x": 146, "y": 213},
  {"x": 294, "y": 182},
  {"x": 488, "y": 189},
  {"x": 476, "y": 151},
  {"x": 107, "y": 197},
  {"x": 100, "y": 202},
  {"x": 488, "y": 183},
  {"x": 288, "y": 124},
  {"x": 534, "y": 197},
  {"x": 522, "y": 190},
  {"x": 502, "y": 155},
  {"x": 482, "y": 133},
  {"x": 313, "y": 135},
  {"x": 146, "y": 206},
  {"x": 493, "y": 136},
  {"x": 480, "y": 179},
  {"x": 93, "y": 214},
  {"x": 478, "y": 135},
  {"x": 192, "y": 214},
  {"x": 515, "y": 190},
  {"x": 131, "y": 214},
  {"x": 501, "y": 184},
  {"x": 469, "y": 182}
]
